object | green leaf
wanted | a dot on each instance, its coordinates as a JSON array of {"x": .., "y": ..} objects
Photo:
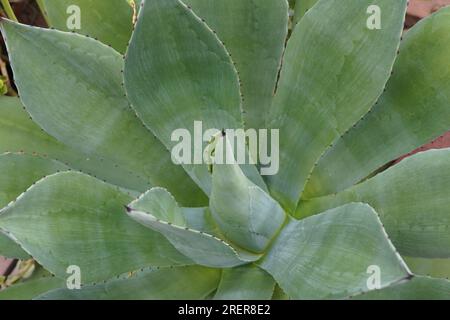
[
  {"x": 158, "y": 210},
  {"x": 301, "y": 7},
  {"x": 334, "y": 69},
  {"x": 328, "y": 256},
  {"x": 279, "y": 294},
  {"x": 10, "y": 249},
  {"x": 187, "y": 76},
  {"x": 245, "y": 213},
  {"x": 73, "y": 219},
  {"x": 108, "y": 21},
  {"x": 85, "y": 77},
  {"x": 419, "y": 288},
  {"x": 413, "y": 111},
  {"x": 18, "y": 172},
  {"x": 437, "y": 268},
  {"x": 245, "y": 283},
  {"x": 29, "y": 289},
  {"x": 412, "y": 200},
  {"x": 254, "y": 32},
  {"x": 180, "y": 283}
]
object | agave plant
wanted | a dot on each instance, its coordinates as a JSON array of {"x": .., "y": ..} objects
[{"x": 90, "y": 183}]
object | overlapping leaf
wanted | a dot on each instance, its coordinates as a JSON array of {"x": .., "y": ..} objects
[
  {"x": 109, "y": 21},
  {"x": 181, "y": 283},
  {"x": 419, "y": 288},
  {"x": 328, "y": 256},
  {"x": 413, "y": 111},
  {"x": 158, "y": 210},
  {"x": 412, "y": 200},
  {"x": 245, "y": 283},
  {"x": 254, "y": 32},
  {"x": 332, "y": 74},
  {"x": 73, "y": 219},
  {"x": 71, "y": 86}
]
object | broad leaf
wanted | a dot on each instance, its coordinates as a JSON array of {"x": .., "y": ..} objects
[
  {"x": 109, "y": 21},
  {"x": 413, "y": 111},
  {"x": 245, "y": 283},
  {"x": 181, "y": 283},
  {"x": 412, "y": 200},
  {"x": 19, "y": 134},
  {"x": 18, "y": 172},
  {"x": 73, "y": 219},
  {"x": 254, "y": 32},
  {"x": 245, "y": 213},
  {"x": 72, "y": 87},
  {"x": 10, "y": 249},
  {"x": 334, "y": 69},
  {"x": 436, "y": 268},
  {"x": 301, "y": 7},
  {"x": 158, "y": 210},
  {"x": 332, "y": 255},
  {"x": 31, "y": 288},
  {"x": 186, "y": 76},
  {"x": 419, "y": 288}
]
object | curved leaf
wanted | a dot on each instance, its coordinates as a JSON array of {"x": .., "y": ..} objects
[
  {"x": 181, "y": 283},
  {"x": 245, "y": 213},
  {"x": 187, "y": 76},
  {"x": 412, "y": 200},
  {"x": 84, "y": 77},
  {"x": 109, "y": 21},
  {"x": 419, "y": 288},
  {"x": 73, "y": 219},
  {"x": 413, "y": 111},
  {"x": 19, "y": 134},
  {"x": 332, "y": 74},
  {"x": 328, "y": 256},
  {"x": 245, "y": 283},
  {"x": 18, "y": 172},
  {"x": 254, "y": 32},
  {"x": 158, "y": 210},
  {"x": 301, "y": 7}
]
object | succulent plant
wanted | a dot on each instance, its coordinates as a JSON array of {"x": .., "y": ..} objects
[{"x": 87, "y": 170}]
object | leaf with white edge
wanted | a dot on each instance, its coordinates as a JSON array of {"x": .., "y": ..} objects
[
  {"x": 19, "y": 134},
  {"x": 110, "y": 21},
  {"x": 418, "y": 288},
  {"x": 187, "y": 76},
  {"x": 332, "y": 74},
  {"x": 158, "y": 210},
  {"x": 245, "y": 283},
  {"x": 29, "y": 289},
  {"x": 245, "y": 213},
  {"x": 84, "y": 76},
  {"x": 329, "y": 256},
  {"x": 254, "y": 32},
  {"x": 180, "y": 283},
  {"x": 18, "y": 172},
  {"x": 412, "y": 200},
  {"x": 436, "y": 268},
  {"x": 73, "y": 219},
  {"x": 412, "y": 112}
]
